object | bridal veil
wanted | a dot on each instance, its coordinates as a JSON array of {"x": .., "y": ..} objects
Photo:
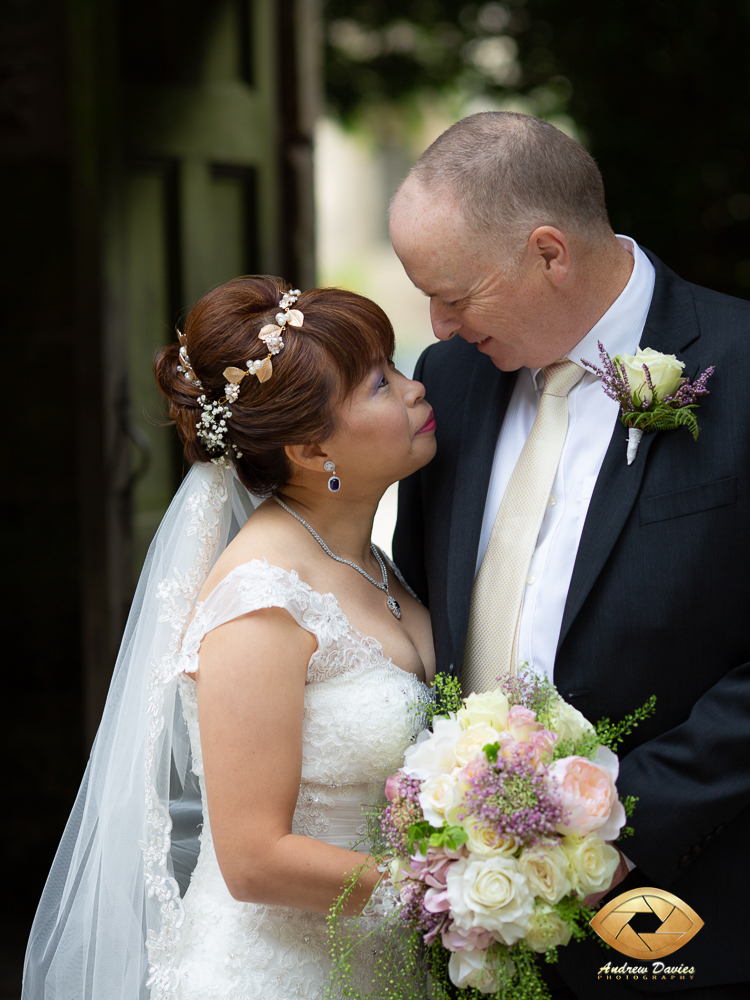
[{"x": 110, "y": 915}]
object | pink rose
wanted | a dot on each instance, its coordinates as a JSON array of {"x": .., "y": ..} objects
[
  {"x": 522, "y": 723},
  {"x": 472, "y": 769},
  {"x": 543, "y": 742},
  {"x": 392, "y": 788},
  {"x": 535, "y": 745},
  {"x": 588, "y": 795}
]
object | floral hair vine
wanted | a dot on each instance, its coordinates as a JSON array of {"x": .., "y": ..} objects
[
  {"x": 271, "y": 335},
  {"x": 212, "y": 427}
]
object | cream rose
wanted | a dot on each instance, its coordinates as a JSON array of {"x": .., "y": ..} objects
[
  {"x": 665, "y": 371},
  {"x": 547, "y": 929},
  {"x": 568, "y": 722},
  {"x": 398, "y": 870},
  {"x": 433, "y": 752},
  {"x": 588, "y": 794},
  {"x": 454, "y": 814},
  {"x": 546, "y": 868},
  {"x": 486, "y": 841},
  {"x": 476, "y": 968},
  {"x": 591, "y": 863},
  {"x": 491, "y": 708},
  {"x": 490, "y": 893},
  {"x": 470, "y": 743},
  {"x": 436, "y": 795}
]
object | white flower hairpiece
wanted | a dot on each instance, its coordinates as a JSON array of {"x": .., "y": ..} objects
[{"x": 212, "y": 428}]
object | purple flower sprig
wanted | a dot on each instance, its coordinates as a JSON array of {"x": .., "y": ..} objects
[
  {"x": 511, "y": 797},
  {"x": 529, "y": 689},
  {"x": 614, "y": 380},
  {"x": 402, "y": 811},
  {"x": 689, "y": 391}
]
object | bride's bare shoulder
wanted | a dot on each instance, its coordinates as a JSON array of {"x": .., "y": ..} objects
[{"x": 264, "y": 535}]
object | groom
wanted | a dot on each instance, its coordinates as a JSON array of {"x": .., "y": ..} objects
[{"x": 531, "y": 538}]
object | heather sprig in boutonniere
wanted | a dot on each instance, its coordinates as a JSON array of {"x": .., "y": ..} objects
[{"x": 651, "y": 391}]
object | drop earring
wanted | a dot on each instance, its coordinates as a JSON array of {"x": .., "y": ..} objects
[{"x": 334, "y": 483}]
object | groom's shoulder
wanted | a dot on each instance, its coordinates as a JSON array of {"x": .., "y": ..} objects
[
  {"x": 722, "y": 322},
  {"x": 712, "y": 306}
]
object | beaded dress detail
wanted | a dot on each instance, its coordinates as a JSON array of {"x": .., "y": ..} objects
[{"x": 359, "y": 718}]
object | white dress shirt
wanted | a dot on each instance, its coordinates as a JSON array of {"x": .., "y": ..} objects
[{"x": 592, "y": 418}]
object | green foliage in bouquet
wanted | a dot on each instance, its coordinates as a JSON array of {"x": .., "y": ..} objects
[
  {"x": 423, "y": 836},
  {"x": 605, "y": 733},
  {"x": 448, "y": 698},
  {"x": 404, "y": 955},
  {"x": 399, "y": 965}
]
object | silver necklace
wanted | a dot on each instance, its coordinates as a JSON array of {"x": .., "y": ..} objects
[{"x": 393, "y": 605}]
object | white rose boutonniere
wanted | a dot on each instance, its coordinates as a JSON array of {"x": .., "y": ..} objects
[{"x": 652, "y": 392}]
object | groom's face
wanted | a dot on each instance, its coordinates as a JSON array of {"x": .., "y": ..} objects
[{"x": 472, "y": 294}]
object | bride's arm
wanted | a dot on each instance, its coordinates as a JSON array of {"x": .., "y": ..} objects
[{"x": 251, "y": 685}]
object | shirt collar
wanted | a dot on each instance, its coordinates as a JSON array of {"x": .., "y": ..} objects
[{"x": 621, "y": 326}]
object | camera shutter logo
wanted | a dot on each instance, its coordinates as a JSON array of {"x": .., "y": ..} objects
[{"x": 679, "y": 923}]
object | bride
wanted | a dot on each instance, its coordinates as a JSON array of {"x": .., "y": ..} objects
[{"x": 268, "y": 677}]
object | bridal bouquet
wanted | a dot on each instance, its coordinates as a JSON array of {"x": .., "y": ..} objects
[{"x": 497, "y": 828}]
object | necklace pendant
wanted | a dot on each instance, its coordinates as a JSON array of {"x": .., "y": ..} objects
[{"x": 393, "y": 606}]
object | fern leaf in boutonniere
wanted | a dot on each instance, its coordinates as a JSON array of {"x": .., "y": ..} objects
[{"x": 651, "y": 391}]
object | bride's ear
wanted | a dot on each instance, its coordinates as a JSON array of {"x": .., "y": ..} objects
[{"x": 306, "y": 456}]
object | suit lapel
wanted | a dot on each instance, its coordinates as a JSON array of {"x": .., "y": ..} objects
[
  {"x": 487, "y": 398},
  {"x": 671, "y": 326}
]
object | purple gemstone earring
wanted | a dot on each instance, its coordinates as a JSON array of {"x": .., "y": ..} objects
[{"x": 334, "y": 483}]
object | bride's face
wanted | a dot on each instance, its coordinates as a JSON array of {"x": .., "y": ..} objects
[{"x": 385, "y": 431}]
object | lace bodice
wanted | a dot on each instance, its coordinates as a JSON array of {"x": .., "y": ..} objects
[{"x": 361, "y": 711}]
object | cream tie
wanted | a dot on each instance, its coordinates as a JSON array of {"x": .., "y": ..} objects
[{"x": 497, "y": 596}]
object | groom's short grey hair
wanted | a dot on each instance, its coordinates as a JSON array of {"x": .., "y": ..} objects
[{"x": 511, "y": 173}]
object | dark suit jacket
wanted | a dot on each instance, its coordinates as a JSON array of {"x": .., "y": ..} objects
[{"x": 659, "y": 603}]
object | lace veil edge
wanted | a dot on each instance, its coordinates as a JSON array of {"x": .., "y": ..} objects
[{"x": 109, "y": 919}]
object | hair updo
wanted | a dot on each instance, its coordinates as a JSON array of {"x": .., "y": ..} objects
[{"x": 343, "y": 336}]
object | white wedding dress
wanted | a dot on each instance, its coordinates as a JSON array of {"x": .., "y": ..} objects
[{"x": 359, "y": 717}]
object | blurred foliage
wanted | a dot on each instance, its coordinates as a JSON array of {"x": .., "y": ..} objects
[
  {"x": 659, "y": 90},
  {"x": 390, "y": 50}
]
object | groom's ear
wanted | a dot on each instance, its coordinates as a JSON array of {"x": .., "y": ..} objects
[
  {"x": 306, "y": 456},
  {"x": 549, "y": 249}
]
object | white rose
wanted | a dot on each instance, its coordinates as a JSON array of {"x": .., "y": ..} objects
[
  {"x": 433, "y": 752},
  {"x": 547, "y": 929},
  {"x": 568, "y": 722},
  {"x": 491, "y": 708},
  {"x": 591, "y": 863},
  {"x": 486, "y": 841},
  {"x": 490, "y": 893},
  {"x": 435, "y": 796},
  {"x": 477, "y": 968},
  {"x": 665, "y": 371},
  {"x": 470, "y": 743},
  {"x": 546, "y": 868}
]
